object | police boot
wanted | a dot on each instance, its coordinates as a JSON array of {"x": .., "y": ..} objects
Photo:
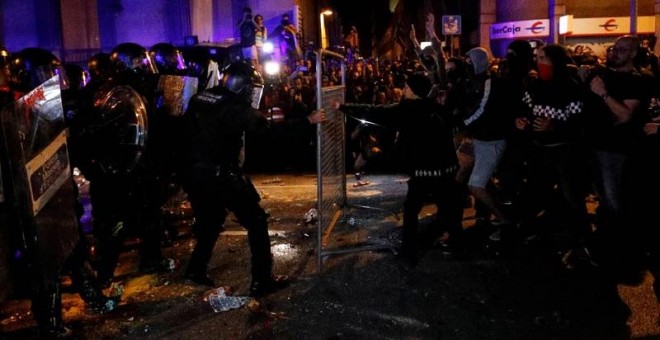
[
  {"x": 263, "y": 280},
  {"x": 197, "y": 274},
  {"x": 267, "y": 285},
  {"x": 91, "y": 293},
  {"x": 47, "y": 311}
]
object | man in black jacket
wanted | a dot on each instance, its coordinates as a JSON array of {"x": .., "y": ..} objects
[{"x": 429, "y": 158}]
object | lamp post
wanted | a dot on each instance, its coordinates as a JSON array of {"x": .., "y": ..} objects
[{"x": 324, "y": 37}]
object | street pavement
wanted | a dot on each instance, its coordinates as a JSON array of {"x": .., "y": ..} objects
[{"x": 506, "y": 290}]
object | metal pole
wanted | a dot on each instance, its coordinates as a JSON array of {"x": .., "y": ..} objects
[
  {"x": 319, "y": 175},
  {"x": 449, "y": 40},
  {"x": 553, "y": 21},
  {"x": 323, "y": 43}
]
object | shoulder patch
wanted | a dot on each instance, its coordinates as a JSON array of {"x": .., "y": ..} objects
[{"x": 209, "y": 98}]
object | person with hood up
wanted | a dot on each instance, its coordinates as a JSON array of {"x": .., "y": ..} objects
[{"x": 487, "y": 124}]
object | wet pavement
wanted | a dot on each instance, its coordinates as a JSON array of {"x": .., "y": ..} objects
[{"x": 495, "y": 291}]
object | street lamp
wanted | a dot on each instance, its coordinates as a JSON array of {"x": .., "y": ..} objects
[{"x": 324, "y": 38}]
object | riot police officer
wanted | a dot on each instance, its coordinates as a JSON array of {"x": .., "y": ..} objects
[
  {"x": 168, "y": 59},
  {"x": 39, "y": 204},
  {"x": 165, "y": 133},
  {"x": 216, "y": 122},
  {"x": 114, "y": 135}
]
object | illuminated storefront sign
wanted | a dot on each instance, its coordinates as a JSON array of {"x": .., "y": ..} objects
[
  {"x": 604, "y": 26},
  {"x": 520, "y": 29}
]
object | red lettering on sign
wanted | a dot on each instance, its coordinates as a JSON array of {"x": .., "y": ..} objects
[{"x": 31, "y": 100}]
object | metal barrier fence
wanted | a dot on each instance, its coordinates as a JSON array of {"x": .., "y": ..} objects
[
  {"x": 331, "y": 163},
  {"x": 330, "y": 155}
]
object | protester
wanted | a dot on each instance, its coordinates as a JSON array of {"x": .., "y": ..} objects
[
  {"x": 248, "y": 29},
  {"x": 286, "y": 37},
  {"x": 554, "y": 121},
  {"x": 488, "y": 125},
  {"x": 421, "y": 128},
  {"x": 616, "y": 103},
  {"x": 261, "y": 37}
]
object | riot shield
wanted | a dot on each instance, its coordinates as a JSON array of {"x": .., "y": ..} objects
[
  {"x": 118, "y": 131},
  {"x": 37, "y": 182},
  {"x": 177, "y": 92}
]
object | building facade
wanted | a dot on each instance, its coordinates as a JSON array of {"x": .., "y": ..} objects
[
  {"x": 76, "y": 29},
  {"x": 588, "y": 24}
]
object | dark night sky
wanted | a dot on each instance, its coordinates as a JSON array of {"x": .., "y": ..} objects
[
  {"x": 367, "y": 15},
  {"x": 374, "y": 15}
]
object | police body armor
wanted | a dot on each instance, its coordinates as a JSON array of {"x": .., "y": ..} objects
[{"x": 219, "y": 117}]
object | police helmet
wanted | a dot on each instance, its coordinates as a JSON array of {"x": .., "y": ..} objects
[
  {"x": 168, "y": 59},
  {"x": 4, "y": 69},
  {"x": 100, "y": 67},
  {"x": 242, "y": 79},
  {"x": 197, "y": 60},
  {"x": 78, "y": 76},
  {"x": 32, "y": 66},
  {"x": 132, "y": 58}
]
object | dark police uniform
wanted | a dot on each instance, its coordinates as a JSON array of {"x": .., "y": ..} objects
[{"x": 215, "y": 125}]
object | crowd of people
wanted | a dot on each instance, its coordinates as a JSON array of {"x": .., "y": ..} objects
[
  {"x": 535, "y": 133},
  {"x": 535, "y": 136}
]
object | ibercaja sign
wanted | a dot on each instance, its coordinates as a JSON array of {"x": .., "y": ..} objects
[{"x": 520, "y": 29}]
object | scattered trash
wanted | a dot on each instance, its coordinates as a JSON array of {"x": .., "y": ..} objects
[
  {"x": 254, "y": 306},
  {"x": 220, "y": 301},
  {"x": 272, "y": 181},
  {"x": 14, "y": 318},
  {"x": 116, "y": 289},
  {"x": 352, "y": 222},
  {"x": 311, "y": 216},
  {"x": 169, "y": 264}
]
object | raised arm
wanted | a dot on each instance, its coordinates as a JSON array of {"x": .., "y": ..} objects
[
  {"x": 440, "y": 57},
  {"x": 413, "y": 38}
]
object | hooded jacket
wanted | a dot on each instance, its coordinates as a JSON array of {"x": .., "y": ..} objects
[{"x": 486, "y": 117}]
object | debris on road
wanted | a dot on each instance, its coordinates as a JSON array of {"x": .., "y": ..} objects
[
  {"x": 221, "y": 300},
  {"x": 311, "y": 216}
]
